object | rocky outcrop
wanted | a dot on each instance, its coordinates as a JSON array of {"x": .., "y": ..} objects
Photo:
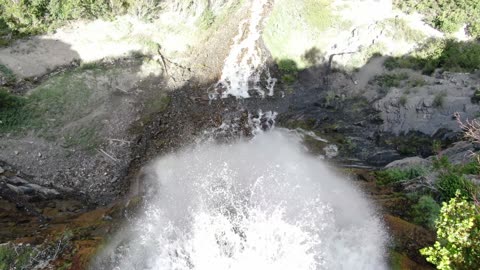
[
  {"x": 409, "y": 162},
  {"x": 429, "y": 108}
]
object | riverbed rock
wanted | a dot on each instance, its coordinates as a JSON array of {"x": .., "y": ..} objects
[
  {"x": 460, "y": 152},
  {"x": 428, "y": 108},
  {"x": 408, "y": 163}
]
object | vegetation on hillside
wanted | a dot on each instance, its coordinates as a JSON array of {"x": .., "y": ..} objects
[
  {"x": 457, "y": 222},
  {"x": 25, "y": 17},
  {"x": 447, "y": 15},
  {"x": 458, "y": 236},
  {"x": 448, "y": 55}
]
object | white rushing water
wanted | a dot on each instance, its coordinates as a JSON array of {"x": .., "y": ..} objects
[
  {"x": 259, "y": 204},
  {"x": 245, "y": 64}
]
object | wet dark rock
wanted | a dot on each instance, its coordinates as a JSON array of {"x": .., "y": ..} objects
[{"x": 383, "y": 157}]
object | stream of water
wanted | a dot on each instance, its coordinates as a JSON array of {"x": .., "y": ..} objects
[
  {"x": 262, "y": 203},
  {"x": 258, "y": 204},
  {"x": 245, "y": 65}
]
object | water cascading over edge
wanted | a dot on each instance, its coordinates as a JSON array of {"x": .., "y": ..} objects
[
  {"x": 258, "y": 204},
  {"x": 246, "y": 64}
]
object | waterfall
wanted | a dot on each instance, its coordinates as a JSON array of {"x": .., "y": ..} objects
[
  {"x": 245, "y": 64},
  {"x": 262, "y": 204}
]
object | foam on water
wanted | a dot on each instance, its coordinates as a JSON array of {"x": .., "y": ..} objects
[{"x": 258, "y": 204}]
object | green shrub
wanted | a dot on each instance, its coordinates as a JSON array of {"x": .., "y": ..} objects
[
  {"x": 389, "y": 176},
  {"x": 452, "y": 178},
  {"x": 446, "y": 15},
  {"x": 458, "y": 236},
  {"x": 426, "y": 211},
  {"x": 438, "y": 100},
  {"x": 289, "y": 70},
  {"x": 450, "y": 182},
  {"x": 403, "y": 100},
  {"x": 7, "y": 74},
  {"x": 26, "y": 17},
  {"x": 9, "y": 101},
  {"x": 207, "y": 18},
  {"x": 449, "y": 55},
  {"x": 476, "y": 96},
  {"x": 390, "y": 80}
]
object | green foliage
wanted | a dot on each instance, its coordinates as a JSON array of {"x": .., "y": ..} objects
[
  {"x": 59, "y": 100},
  {"x": 289, "y": 70},
  {"x": 207, "y": 18},
  {"x": 426, "y": 211},
  {"x": 450, "y": 182},
  {"x": 26, "y": 17},
  {"x": 394, "y": 175},
  {"x": 446, "y": 15},
  {"x": 318, "y": 14},
  {"x": 399, "y": 29},
  {"x": 451, "y": 178},
  {"x": 390, "y": 80},
  {"x": 12, "y": 111},
  {"x": 9, "y": 101},
  {"x": 7, "y": 74},
  {"x": 85, "y": 138},
  {"x": 15, "y": 258},
  {"x": 476, "y": 96},
  {"x": 438, "y": 100},
  {"x": 403, "y": 100},
  {"x": 458, "y": 236},
  {"x": 449, "y": 55}
]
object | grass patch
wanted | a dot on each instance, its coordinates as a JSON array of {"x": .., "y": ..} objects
[
  {"x": 207, "y": 18},
  {"x": 85, "y": 138},
  {"x": 318, "y": 14},
  {"x": 293, "y": 28},
  {"x": 48, "y": 109},
  {"x": 7, "y": 74},
  {"x": 399, "y": 29}
]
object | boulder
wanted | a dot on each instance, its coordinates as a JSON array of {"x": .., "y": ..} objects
[{"x": 409, "y": 162}]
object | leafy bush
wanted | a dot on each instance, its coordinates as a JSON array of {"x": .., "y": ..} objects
[
  {"x": 476, "y": 96},
  {"x": 458, "y": 236},
  {"x": 449, "y": 55},
  {"x": 451, "y": 182},
  {"x": 26, "y": 17},
  {"x": 446, "y": 15},
  {"x": 9, "y": 101},
  {"x": 426, "y": 211},
  {"x": 395, "y": 175},
  {"x": 289, "y": 70},
  {"x": 452, "y": 178},
  {"x": 387, "y": 81},
  {"x": 438, "y": 100},
  {"x": 207, "y": 18}
]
